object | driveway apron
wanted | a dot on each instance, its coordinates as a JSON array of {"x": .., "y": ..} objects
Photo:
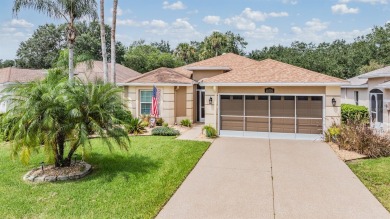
[
  {"x": 262, "y": 178},
  {"x": 231, "y": 180}
]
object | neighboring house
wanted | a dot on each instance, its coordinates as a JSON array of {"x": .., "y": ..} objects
[
  {"x": 87, "y": 72},
  {"x": 242, "y": 97},
  {"x": 94, "y": 71},
  {"x": 12, "y": 75},
  {"x": 372, "y": 90}
]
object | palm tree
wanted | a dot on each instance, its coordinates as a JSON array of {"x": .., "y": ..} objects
[
  {"x": 113, "y": 41},
  {"x": 185, "y": 52},
  {"x": 213, "y": 45},
  {"x": 103, "y": 40},
  {"x": 70, "y": 10},
  {"x": 61, "y": 116}
]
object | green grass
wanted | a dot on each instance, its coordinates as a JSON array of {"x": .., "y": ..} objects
[
  {"x": 375, "y": 175},
  {"x": 133, "y": 184}
]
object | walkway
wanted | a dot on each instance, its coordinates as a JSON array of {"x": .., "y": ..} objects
[{"x": 261, "y": 178}]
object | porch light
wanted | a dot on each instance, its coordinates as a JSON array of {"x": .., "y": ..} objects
[
  {"x": 211, "y": 101},
  {"x": 333, "y": 101}
]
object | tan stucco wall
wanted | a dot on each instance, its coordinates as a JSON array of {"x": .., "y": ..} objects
[
  {"x": 211, "y": 110},
  {"x": 167, "y": 101},
  {"x": 347, "y": 96},
  {"x": 197, "y": 75},
  {"x": 278, "y": 90},
  {"x": 332, "y": 113}
]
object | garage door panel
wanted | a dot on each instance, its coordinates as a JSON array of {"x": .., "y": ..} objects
[
  {"x": 232, "y": 123},
  {"x": 256, "y": 124},
  {"x": 309, "y": 126}
]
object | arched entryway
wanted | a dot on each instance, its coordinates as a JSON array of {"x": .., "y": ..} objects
[{"x": 376, "y": 108}]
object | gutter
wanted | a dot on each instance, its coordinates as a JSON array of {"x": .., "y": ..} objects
[{"x": 272, "y": 84}]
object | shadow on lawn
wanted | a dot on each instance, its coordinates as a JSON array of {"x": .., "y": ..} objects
[{"x": 108, "y": 167}]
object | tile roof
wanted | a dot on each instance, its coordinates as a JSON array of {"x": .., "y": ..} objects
[
  {"x": 162, "y": 75},
  {"x": 123, "y": 73},
  {"x": 356, "y": 82},
  {"x": 230, "y": 60},
  {"x": 382, "y": 72},
  {"x": 12, "y": 74},
  {"x": 271, "y": 71}
]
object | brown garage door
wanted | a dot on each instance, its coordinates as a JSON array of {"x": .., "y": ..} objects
[{"x": 272, "y": 114}]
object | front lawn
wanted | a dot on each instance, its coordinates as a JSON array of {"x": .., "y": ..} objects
[
  {"x": 133, "y": 184},
  {"x": 375, "y": 174}
]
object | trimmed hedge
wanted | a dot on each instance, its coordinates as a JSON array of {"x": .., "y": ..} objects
[
  {"x": 165, "y": 131},
  {"x": 353, "y": 113}
]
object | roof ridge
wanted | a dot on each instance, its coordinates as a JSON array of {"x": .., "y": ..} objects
[{"x": 144, "y": 75}]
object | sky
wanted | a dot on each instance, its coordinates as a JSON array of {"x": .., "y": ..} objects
[{"x": 261, "y": 22}]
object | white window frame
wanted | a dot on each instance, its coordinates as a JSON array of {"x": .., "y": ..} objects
[{"x": 142, "y": 102}]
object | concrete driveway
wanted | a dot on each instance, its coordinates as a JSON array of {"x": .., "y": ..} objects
[{"x": 262, "y": 178}]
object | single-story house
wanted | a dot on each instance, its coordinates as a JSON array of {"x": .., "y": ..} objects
[
  {"x": 241, "y": 97},
  {"x": 85, "y": 71},
  {"x": 372, "y": 90}
]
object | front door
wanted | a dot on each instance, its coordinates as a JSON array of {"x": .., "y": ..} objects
[{"x": 201, "y": 110}]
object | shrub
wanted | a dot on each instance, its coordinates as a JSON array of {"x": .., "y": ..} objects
[
  {"x": 145, "y": 118},
  {"x": 332, "y": 133},
  {"x": 124, "y": 115},
  {"x": 211, "y": 132},
  {"x": 136, "y": 127},
  {"x": 144, "y": 123},
  {"x": 358, "y": 137},
  {"x": 165, "y": 131},
  {"x": 165, "y": 124},
  {"x": 159, "y": 121},
  {"x": 186, "y": 122},
  {"x": 353, "y": 113}
]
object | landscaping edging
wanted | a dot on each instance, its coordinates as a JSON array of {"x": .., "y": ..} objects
[{"x": 33, "y": 175}]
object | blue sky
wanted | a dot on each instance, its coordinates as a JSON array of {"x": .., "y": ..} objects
[{"x": 260, "y": 22}]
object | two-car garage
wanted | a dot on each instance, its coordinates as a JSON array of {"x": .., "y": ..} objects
[{"x": 273, "y": 116}]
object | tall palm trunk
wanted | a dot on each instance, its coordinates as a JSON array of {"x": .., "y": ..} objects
[
  {"x": 71, "y": 35},
  {"x": 113, "y": 42},
  {"x": 103, "y": 40}
]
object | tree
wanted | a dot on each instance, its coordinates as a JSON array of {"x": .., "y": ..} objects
[
  {"x": 235, "y": 43},
  {"x": 41, "y": 49},
  {"x": 103, "y": 39},
  {"x": 113, "y": 41},
  {"x": 213, "y": 45},
  {"x": 6, "y": 63},
  {"x": 144, "y": 58},
  {"x": 163, "y": 46},
  {"x": 61, "y": 116},
  {"x": 69, "y": 10},
  {"x": 186, "y": 52},
  {"x": 373, "y": 65}
]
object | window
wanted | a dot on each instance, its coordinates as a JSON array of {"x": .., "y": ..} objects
[
  {"x": 146, "y": 101},
  {"x": 356, "y": 97}
]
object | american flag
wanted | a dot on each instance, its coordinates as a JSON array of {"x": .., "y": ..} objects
[{"x": 155, "y": 102}]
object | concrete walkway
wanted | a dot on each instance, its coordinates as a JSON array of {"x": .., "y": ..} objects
[
  {"x": 261, "y": 178},
  {"x": 194, "y": 134}
]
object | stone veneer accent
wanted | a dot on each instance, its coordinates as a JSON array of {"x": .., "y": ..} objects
[{"x": 31, "y": 177}]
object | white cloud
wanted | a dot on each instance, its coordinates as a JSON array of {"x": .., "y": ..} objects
[
  {"x": 174, "y": 6},
  {"x": 343, "y": 9},
  {"x": 248, "y": 18},
  {"x": 241, "y": 23},
  {"x": 373, "y": 2},
  {"x": 316, "y": 25},
  {"x": 212, "y": 19},
  {"x": 263, "y": 32},
  {"x": 19, "y": 23},
  {"x": 127, "y": 22},
  {"x": 158, "y": 23},
  {"x": 292, "y": 2}
]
